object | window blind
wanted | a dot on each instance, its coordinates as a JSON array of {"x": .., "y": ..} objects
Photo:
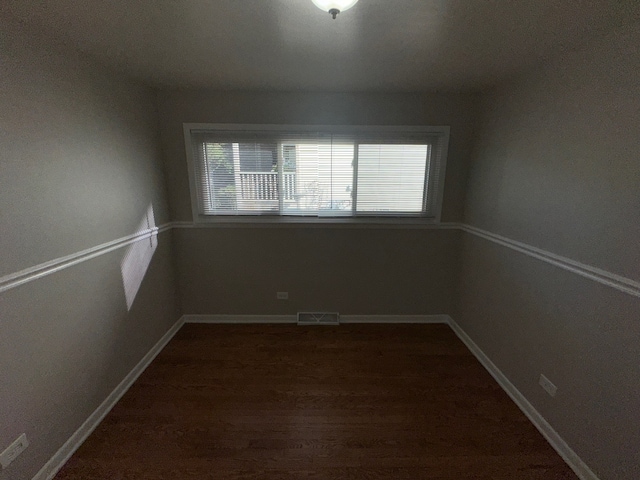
[{"x": 316, "y": 172}]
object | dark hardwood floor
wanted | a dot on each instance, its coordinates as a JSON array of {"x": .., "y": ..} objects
[{"x": 288, "y": 402}]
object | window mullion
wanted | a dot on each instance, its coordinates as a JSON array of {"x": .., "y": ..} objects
[
  {"x": 280, "y": 170},
  {"x": 208, "y": 198},
  {"x": 428, "y": 182},
  {"x": 354, "y": 188}
]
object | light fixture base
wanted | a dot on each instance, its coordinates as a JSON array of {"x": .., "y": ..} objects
[{"x": 334, "y": 7}]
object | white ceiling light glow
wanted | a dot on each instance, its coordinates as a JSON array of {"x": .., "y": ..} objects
[{"x": 334, "y": 7}]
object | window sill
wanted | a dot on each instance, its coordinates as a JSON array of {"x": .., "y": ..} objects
[{"x": 312, "y": 222}]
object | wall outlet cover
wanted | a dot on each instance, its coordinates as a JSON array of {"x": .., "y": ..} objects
[
  {"x": 12, "y": 451},
  {"x": 548, "y": 387}
]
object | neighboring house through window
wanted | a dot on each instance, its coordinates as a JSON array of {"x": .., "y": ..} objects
[{"x": 306, "y": 172}]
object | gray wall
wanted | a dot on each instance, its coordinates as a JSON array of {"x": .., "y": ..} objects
[
  {"x": 557, "y": 167},
  {"x": 352, "y": 271},
  {"x": 79, "y": 167},
  {"x": 239, "y": 270}
]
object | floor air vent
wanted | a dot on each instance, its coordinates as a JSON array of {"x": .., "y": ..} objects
[{"x": 318, "y": 318}]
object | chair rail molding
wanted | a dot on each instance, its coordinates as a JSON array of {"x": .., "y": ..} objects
[
  {"x": 612, "y": 280},
  {"x": 623, "y": 284},
  {"x": 30, "y": 274}
]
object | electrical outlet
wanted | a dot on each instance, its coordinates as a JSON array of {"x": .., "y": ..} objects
[
  {"x": 282, "y": 295},
  {"x": 549, "y": 387},
  {"x": 13, "y": 450}
]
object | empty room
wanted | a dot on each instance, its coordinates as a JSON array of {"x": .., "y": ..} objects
[{"x": 321, "y": 239}]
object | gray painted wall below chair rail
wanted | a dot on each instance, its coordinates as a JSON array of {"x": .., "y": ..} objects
[{"x": 351, "y": 271}]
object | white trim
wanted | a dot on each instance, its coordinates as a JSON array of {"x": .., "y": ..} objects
[
  {"x": 238, "y": 319},
  {"x": 442, "y": 132},
  {"x": 270, "y": 319},
  {"x": 191, "y": 169},
  {"x": 444, "y": 156},
  {"x": 572, "y": 459},
  {"x": 51, "y": 468},
  {"x": 394, "y": 319},
  {"x": 346, "y": 129},
  {"x": 334, "y": 222},
  {"x": 596, "y": 274},
  {"x": 30, "y": 274},
  {"x": 623, "y": 284}
]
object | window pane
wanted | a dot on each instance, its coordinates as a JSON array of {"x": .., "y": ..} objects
[
  {"x": 337, "y": 179},
  {"x": 220, "y": 182},
  {"x": 257, "y": 177},
  {"x": 391, "y": 178},
  {"x": 321, "y": 182},
  {"x": 241, "y": 178}
]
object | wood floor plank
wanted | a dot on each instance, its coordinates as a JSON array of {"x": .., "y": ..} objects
[{"x": 289, "y": 402}]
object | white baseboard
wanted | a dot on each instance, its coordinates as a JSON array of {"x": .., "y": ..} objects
[
  {"x": 572, "y": 459},
  {"x": 265, "y": 319},
  {"x": 394, "y": 318},
  {"x": 240, "y": 319},
  {"x": 56, "y": 462}
]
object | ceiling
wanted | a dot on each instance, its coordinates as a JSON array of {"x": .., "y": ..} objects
[{"x": 378, "y": 45}]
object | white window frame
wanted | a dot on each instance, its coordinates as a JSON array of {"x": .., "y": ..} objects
[{"x": 400, "y": 219}]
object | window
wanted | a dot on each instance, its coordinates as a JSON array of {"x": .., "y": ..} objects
[{"x": 311, "y": 172}]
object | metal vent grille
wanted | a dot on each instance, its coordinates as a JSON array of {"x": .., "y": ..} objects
[{"x": 318, "y": 318}]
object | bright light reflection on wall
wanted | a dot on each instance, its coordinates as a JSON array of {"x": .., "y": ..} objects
[{"x": 138, "y": 257}]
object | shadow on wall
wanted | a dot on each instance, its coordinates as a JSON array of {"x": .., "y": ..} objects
[{"x": 138, "y": 256}]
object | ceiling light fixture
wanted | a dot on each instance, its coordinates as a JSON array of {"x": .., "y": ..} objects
[{"x": 334, "y": 7}]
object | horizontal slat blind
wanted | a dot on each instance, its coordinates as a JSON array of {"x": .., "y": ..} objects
[
  {"x": 391, "y": 178},
  {"x": 315, "y": 173}
]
